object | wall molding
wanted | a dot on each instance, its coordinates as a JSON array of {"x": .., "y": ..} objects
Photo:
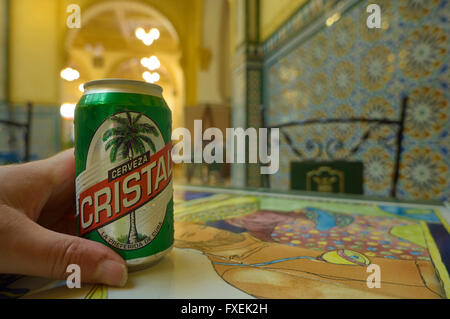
[{"x": 307, "y": 21}]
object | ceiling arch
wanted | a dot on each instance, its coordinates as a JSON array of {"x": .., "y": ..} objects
[{"x": 114, "y": 23}]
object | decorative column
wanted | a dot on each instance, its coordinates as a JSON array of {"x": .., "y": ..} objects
[{"x": 246, "y": 82}]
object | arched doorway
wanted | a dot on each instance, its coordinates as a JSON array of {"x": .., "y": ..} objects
[{"x": 107, "y": 47}]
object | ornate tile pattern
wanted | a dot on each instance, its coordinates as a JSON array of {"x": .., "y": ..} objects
[{"x": 349, "y": 70}]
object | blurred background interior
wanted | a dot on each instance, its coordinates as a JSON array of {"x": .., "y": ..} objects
[{"x": 360, "y": 111}]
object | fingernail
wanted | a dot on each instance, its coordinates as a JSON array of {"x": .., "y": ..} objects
[{"x": 112, "y": 273}]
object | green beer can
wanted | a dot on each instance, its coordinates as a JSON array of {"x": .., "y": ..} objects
[{"x": 123, "y": 164}]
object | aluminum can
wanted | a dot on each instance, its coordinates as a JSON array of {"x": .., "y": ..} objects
[{"x": 123, "y": 164}]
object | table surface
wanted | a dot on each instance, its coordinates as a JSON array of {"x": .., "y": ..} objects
[{"x": 241, "y": 243}]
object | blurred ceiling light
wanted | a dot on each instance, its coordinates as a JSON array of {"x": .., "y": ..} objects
[
  {"x": 67, "y": 110},
  {"x": 152, "y": 63},
  {"x": 70, "y": 74},
  {"x": 140, "y": 33},
  {"x": 154, "y": 33},
  {"x": 333, "y": 19},
  {"x": 81, "y": 87},
  {"x": 151, "y": 77},
  {"x": 147, "y": 37},
  {"x": 147, "y": 41}
]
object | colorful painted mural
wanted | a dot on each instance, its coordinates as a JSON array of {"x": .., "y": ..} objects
[
  {"x": 344, "y": 69},
  {"x": 263, "y": 245}
]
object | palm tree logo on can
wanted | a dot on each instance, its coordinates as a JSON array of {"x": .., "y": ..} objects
[{"x": 130, "y": 137}]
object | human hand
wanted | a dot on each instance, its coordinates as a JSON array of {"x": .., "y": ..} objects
[{"x": 37, "y": 206}]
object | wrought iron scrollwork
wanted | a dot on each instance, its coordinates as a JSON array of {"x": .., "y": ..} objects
[{"x": 332, "y": 146}]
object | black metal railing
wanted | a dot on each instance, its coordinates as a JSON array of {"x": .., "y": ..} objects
[
  {"x": 26, "y": 130},
  {"x": 339, "y": 145}
]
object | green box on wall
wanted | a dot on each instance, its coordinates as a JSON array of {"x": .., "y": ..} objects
[{"x": 332, "y": 177}]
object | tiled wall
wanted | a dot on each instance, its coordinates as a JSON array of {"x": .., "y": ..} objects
[{"x": 348, "y": 70}]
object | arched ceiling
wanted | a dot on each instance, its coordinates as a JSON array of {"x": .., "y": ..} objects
[
  {"x": 112, "y": 25},
  {"x": 107, "y": 47}
]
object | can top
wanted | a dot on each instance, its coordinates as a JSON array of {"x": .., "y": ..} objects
[{"x": 122, "y": 86}]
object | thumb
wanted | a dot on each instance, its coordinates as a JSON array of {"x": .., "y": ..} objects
[{"x": 37, "y": 251}]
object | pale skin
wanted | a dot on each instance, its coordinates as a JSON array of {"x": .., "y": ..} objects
[{"x": 38, "y": 225}]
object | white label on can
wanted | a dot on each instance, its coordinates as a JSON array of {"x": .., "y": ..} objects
[{"x": 127, "y": 184}]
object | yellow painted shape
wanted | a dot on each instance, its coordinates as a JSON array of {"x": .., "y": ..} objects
[
  {"x": 404, "y": 244},
  {"x": 412, "y": 233},
  {"x": 437, "y": 260},
  {"x": 97, "y": 292},
  {"x": 418, "y": 211},
  {"x": 333, "y": 258},
  {"x": 215, "y": 207}
]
